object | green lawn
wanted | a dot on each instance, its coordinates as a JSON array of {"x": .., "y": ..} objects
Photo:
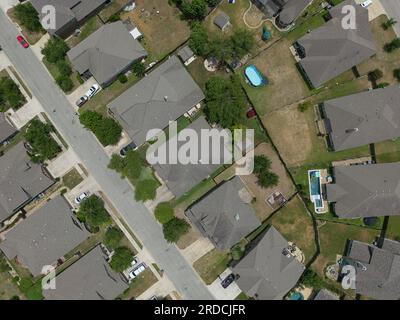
[
  {"x": 388, "y": 151},
  {"x": 72, "y": 179},
  {"x": 211, "y": 265},
  {"x": 139, "y": 285},
  {"x": 55, "y": 73},
  {"x": 196, "y": 193},
  {"x": 393, "y": 230},
  {"x": 88, "y": 28}
]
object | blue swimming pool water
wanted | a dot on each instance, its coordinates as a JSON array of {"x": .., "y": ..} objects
[
  {"x": 315, "y": 183},
  {"x": 297, "y": 296},
  {"x": 254, "y": 76}
]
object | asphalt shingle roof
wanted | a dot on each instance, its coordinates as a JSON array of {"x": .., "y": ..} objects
[{"x": 6, "y": 129}]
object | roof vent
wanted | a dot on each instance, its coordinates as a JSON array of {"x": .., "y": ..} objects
[
  {"x": 352, "y": 130},
  {"x": 166, "y": 98},
  {"x": 237, "y": 217}
]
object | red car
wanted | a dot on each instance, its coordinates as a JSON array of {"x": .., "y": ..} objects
[
  {"x": 23, "y": 42},
  {"x": 251, "y": 113}
]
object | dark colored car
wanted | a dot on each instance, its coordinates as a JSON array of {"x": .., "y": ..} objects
[
  {"x": 132, "y": 146},
  {"x": 23, "y": 42},
  {"x": 228, "y": 281}
]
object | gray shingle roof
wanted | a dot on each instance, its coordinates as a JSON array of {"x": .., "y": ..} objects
[
  {"x": 364, "y": 118},
  {"x": 107, "y": 52},
  {"x": 291, "y": 10},
  {"x": 90, "y": 278},
  {"x": 221, "y": 20},
  {"x": 265, "y": 272},
  {"x": 331, "y": 49},
  {"x": 182, "y": 178},
  {"x": 68, "y": 11},
  {"x": 162, "y": 96},
  {"x": 185, "y": 53},
  {"x": 224, "y": 215},
  {"x": 377, "y": 270},
  {"x": 325, "y": 294},
  {"x": 20, "y": 180},
  {"x": 45, "y": 236},
  {"x": 6, "y": 129},
  {"x": 366, "y": 190}
]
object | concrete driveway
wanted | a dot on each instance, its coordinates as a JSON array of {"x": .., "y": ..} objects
[
  {"x": 88, "y": 185},
  {"x": 220, "y": 293},
  {"x": 375, "y": 9},
  {"x": 4, "y": 61},
  {"x": 63, "y": 163},
  {"x": 80, "y": 91},
  {"x": 7, "y": 4},
  {"x": 392, "y": 8},
  {"x": 26, "y": 113}
]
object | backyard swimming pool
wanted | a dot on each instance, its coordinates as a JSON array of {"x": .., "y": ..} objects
[
  {"x": 314, "y": 180},
  {"x": 254, "y": 76},
  {"x": 297, "y": 296}
]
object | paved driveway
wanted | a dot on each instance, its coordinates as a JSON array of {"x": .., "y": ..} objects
[
  {"x": 220, "y": 293},
  {"x": 120, "y": 193},
  {"x": 80, "y": 91}
]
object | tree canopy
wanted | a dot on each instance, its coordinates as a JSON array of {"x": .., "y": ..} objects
[
  {"x": 28, "y": 17},
  {"x": 10, "y": 95},
  {"x": 174, "y": 229},
  {"x": 55, "y": 50},
  {"x": 107, "y": 130},
  {"x": 93, "y": 213},
  {"x": 164, "y": 212},
  {"x": 266, "y": 178},
  {"x": 121, "y": 259},
  {"x": 113, "y": 237}
]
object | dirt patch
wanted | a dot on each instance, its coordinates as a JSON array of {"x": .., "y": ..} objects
[{"x": 291, "y": 133}]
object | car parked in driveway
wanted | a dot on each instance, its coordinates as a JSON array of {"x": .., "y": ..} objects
[
  {"x": 81, "y": 197},
  {"x": 132, "y": 146},
  {"x": 92, "y": 91},
  {"x": 228, "y": 281},
  {"x": 82, "y": 101},
  {"x": 23, "y": 42},
  {"x": 138, "y": 270}
]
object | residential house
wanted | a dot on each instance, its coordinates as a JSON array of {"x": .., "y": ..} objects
[
  {"x": 377, "y": 269},
  {"x": 331, "y": 49},
  {"x": 44, "y": 236},
  {"x": 21, "y": 181},
  {"x": 363, "y": 118},
  {"x": 181, "y": 178},
  {"x": 89, "y": 278},
  {"x": 106, "y": 53},
  {"x": 70, "y": 14},
  {"x": 268, "y": 271},
  {"x": 6, "y": 129},
  {"x": 162, "y": 96},
  {"x": 225, "y": 215},
  {"x": 360, "y": 191}
]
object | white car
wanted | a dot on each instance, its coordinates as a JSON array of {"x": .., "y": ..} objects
[
  {"x": 135, "y": 272},
  {"x": 92, "y": 91},
  {"x": 81, "y": 197},
  {"x": 366, "y": 3}
]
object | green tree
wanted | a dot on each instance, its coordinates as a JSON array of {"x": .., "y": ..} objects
[
  {"x": 242, "y": 42},
  {"x": 396, "y": 74},
  {"x": 65, "y": 83},
  {"x": 261, "y": 163},
  {"x": 267, "y": 179},
  {"x": 174, "y": 229},
  {"x": 121, "y": 259},
  {"x": 386, "y": 25},
  {"x": 28, "y": 17},
  {"x": 107, "y": 130},
  {"x": 213, "y": 3},
  {"x": 113, "y": 237},
  {"x": 196, "y": 9},
  {"x": 393, "y": 45},
  {"x": 138, "y": 69},
  {"x": 122, "y": 78},
  {"x": 118, "y": 164},
  {"x": 164, "y": 212},
  {"x": 10, "y": 95},
  {"x": 146, "y": 190},
  {"x": 93, "y": 213},
  {"x": 133, "y": 165},
  {"x": 64, "y": 67},
  {"x": 237, "y": 252},
  {"x": 55, "y": 50},
  {"x": 198, "y": 41},
  {"x": 225, "y": 102},
  {"x": 375, "y": 75}
]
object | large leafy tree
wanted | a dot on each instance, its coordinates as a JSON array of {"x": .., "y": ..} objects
[
  {"x": 93, "y": 213},
  {"x": 10, "y": 95},
  {"x": 28, "y": 17},
  {"x": 55, "y": 50},
  {"x": 121, "y": 259},
  {"x": 199, "y": 39},
  {"x": 113, "y": 237},
  {"x": 225, "y": 101},
  {"x": 164, "y": 212},
  {"x": 195, "y": 9},
  {"x": 174, "y": 229},
  {"x": 107, "y": 130}
]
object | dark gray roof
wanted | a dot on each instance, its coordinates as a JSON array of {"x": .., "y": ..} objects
[
  {"x": 185, "y": 53},
  {"x": 325, "y": 294},
  {"x": 162, "y": 96},
  {"x": 366, "y": 190},
  {"x": 107, "y": 52},
  {"x": 331, "y": 49},
  {"x": 224, "y": 215},
  {"x": 90, "y": 278},
  {"x": 291, "y": 10},
  {"x": 6, "y": 129},
  {"x": 265, "y": 272},
  {"x": 221, "y": 20},
  {"x": 20, "y": 180},
  {"x": 364, "y": 118},
  {"x": 68, "y": 11},
  {"x": 269, "y": 7},
  {"x": 45, "y": 236},
  {"x": 182, "y": 178},
  {"x": 377, "y": 269}
]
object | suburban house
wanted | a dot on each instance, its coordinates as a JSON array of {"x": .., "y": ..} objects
[
  {"x": 268, "y": 271},
  {"x": 362, "y": 118},
  {"x": 108, "y": 52},
  {"x": 285, "y": 11},
  {"x": 325, "y": 295},
  {"x": 330, "y": 50},
  {"x": 222, "y": 21},
  {"x": 89, "y": 278},
  {"x": 365, "y": 190},
  {"x": 225, "y": 215},
  {"x": 21, "y": 181},
  {"x": 6, "y": 129},
  {"x": 70, "y": 14},
  {"x": 181, "y": 178},
  {"x": 44, "y": 236},
  {"x": 377, "y": 268},
  {"x": 162, "y": 96}
]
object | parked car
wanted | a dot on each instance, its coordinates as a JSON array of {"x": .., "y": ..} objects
[
  {"x": 92, "y": 91},
  {"x": 132, "y": 146},
  {"x": 82, "y": 101},
  {"x": 23, "y": 42},
  {"x": 134, "y": 261},
  {"x": 81, "y": 197},
  {"x": 251, "y": 113},
  {"x": 228, "y": 281},
  {"x": 135, "y": 272},
  {"x": 367, "y": 3}
]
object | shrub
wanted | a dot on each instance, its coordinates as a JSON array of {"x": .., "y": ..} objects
[
  {"x": 28, "y": 17},
  {"x": 383, "y": 85},
  {"x": 138, "y": 69},
  {"x": 199, "y": 39},
  {"x": 391, "y": 46},
  {"x": 164, "y": 212},
  {"x": 261, "y": 163},
  {"x": 262, "y": 166},
  {"x": 64, "y": 67},
  {"x": 107, "y": 130},
  {"x": 65, "y": 83},
  {"x": 396, "y": 74},
  {"x": 237, "y": 252},
  {"x": 93, "y": 213},
  {"x": 174, "y": 229},
  {"x": 10, "y": 95},
  {"x": 55, "y": 50},
  {"x": 121, "y": 259},
  {"x": 375, "y": 75},
  {"x": 115, "y": 17},
  {"x": 122, "y": 78},
  {"x": 146, "y": 190},
  {"x": 113, "y": 237},
  {"x": 303, "y": 107},
  {"x": 196, "y": 9}
]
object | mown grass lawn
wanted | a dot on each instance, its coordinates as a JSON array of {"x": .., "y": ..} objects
[
  {"x": 93, "y": 24},
  {"x": 139, "y": 285},
  {"x": 72, "y": 179},
  {"x": 211, "y": 265}
]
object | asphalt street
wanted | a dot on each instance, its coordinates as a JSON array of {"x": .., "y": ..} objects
[{"x": 92, "y": 155}]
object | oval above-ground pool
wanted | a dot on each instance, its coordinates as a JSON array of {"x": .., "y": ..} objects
[{"x": 254, "y": 76}]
